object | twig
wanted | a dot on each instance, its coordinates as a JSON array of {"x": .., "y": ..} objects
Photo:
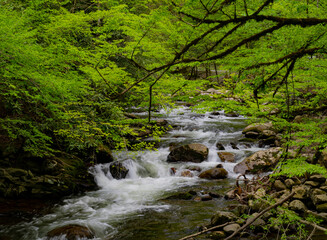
[
  {"x": 313, "y": 231},
  {"x": 259, "y": 215},
  {"x": 205, "y": 230},
  {"x": 313, "y": 225}
]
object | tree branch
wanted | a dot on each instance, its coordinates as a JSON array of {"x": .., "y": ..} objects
[
  {"x": 205, "y": 230},
  {"x": 259, "y": 215}
]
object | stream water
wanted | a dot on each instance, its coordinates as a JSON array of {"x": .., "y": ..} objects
[{"x": 136, "y": 207}]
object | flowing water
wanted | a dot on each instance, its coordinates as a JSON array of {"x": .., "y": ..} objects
[{"x": 137, "y": 207}]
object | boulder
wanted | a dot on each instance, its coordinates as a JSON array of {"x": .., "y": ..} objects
[
  {"x": 103, "y": 154},
  {"x": 257, "y": 127},
  {"x": 259, "y": 222},
  {"x": 319, "y": 199},
  {"x": 182, "y": 196},
  {"x": 220, "y": 146},
  {"x": 231, "y": 228},
  {"x": 318, "y": 178},
  {"x": 193, "y": 152},
  {"x": 186, "y": 173},
  {"x": 118, "y": 170},
  {"x": 279, "y": 185},
  {"x": 289, "y": 183},
  {"x": 214, "y": 173},
  {"x": 263, "y": 160},
  {"x": 215, "y": 113},
  {"x": 194, "y": 168},
  {"x": 226, "y": 156},
  {"x": 297, "y": 205},
  {"x": 231, "y": 114},
  {"x": 222, "y": 217},
  {"x": 301, "y": 192},
  {"x": 72, "y": 232},
  {"x": 206, "y": 197},
  {"x": 312, "y": 183},
  {"x": 322, "y": 207},
  {"x": 234, "y": 146}
]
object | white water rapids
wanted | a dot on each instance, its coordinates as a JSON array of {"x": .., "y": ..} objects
[{"x": 137, "y": 197}]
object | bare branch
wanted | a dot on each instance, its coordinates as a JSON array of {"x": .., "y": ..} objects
[
  {"x": 205, "y": 230},
  {"x": 259, "y": 215}
]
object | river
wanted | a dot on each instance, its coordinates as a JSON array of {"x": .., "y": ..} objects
[{"x": 137, "y": 207}]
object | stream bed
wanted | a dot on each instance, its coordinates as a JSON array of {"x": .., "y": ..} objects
[{"x": 137, "y": 207}]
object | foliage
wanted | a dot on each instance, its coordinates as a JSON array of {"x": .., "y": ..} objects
[{"x": 69, "y": 69}]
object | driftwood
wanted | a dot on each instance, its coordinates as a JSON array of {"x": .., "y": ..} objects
[
  {"x": 204, "y": 231},
  {"x": 259, "y": 215}
]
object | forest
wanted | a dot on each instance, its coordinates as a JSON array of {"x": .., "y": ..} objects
[{"x": 73, "y": 71}]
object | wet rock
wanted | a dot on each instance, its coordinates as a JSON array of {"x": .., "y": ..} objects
[
  {"x": 222, "y": 217},
  {"x": 214, "y": 195},
  {"x": 231, "y": 228},
  {"x": 214, "y": 173},
  {"x": 263, "y": 160},
  {"x": 193, "y": 152},
  {"x": 231, "y": 114},
  {"x": 249, "y": 140},
  {"x": 118, "y": 170},
  {"x": 279, "y": 185},
  {"x": 215, "y": 113},
  {"x": 172, "y": 146},
  {"x": 220, "y": 146},
  {"x": 172, "y": 171},
  {"x": 234, "y": 146},
  {"x": 206, "y": 197},
  {"x": 72, "y": 232},
  {"x": 181, "y": 196},
  {"x": 297, "y": 205},
  {"x": 186, "y": 173},
  {"x": 194, "y": 168},
  {"x": 226, "y": 157}
]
